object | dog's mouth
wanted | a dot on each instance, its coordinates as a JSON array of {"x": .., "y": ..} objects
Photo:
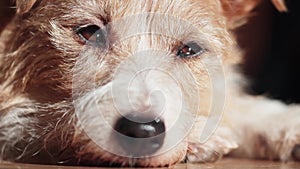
[
  {"x": 129, "y": 162},
  {"x": 107, "y": 159},
  {"x": 133, "y": 140}
]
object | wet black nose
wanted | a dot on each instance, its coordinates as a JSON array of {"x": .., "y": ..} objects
[{"x": 140, "y": 136}]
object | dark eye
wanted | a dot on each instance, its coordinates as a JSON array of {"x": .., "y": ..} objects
[
  {"x": 92, "y": 34},
  {"x": 189, "y": 50}
]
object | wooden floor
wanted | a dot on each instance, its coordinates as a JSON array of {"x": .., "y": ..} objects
[{"x": 223, "y": 164}]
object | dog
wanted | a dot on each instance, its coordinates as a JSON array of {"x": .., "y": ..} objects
[{"x": 134, "y": 83}]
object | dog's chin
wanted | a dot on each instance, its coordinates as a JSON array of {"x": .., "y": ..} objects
[
  {"x": 130, "y": 162},
  {"x": 103, "y": 158}
]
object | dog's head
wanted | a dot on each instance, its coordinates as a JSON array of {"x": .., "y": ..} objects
[{"x": 137, "y": 73}]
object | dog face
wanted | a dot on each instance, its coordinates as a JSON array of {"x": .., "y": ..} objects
[{"x": 109, "y": 82}]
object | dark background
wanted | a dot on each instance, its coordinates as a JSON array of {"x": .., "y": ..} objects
[
  {"x": 6, "y": 12},
  {"x": 272, "y": 42}
]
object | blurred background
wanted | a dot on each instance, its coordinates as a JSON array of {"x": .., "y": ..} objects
[
  {"x": 270, "y": 40},
  {"x": 6, "y": 12},
  {"x": 272, "y": 59}
]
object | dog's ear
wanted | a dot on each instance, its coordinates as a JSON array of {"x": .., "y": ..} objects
[
  {"x": 24, "y": 6},
  {"x": 237, "y": 11},
  {"x": 280, "y": 5}
]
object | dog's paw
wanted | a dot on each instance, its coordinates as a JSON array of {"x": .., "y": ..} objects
[
  {"x": 212, "y": 150},
  {"x": 287, "y": 149}
]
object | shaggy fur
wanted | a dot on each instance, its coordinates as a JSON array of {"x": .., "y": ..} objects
[{"x": 53, "y": 85}]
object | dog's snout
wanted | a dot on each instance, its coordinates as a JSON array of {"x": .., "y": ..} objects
[{"x": 140, "y": 135}]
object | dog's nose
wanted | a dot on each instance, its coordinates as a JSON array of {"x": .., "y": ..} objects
[{"x": 140, "y": 136}]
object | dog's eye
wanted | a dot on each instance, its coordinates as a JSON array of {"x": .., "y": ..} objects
[
  {"x": 92, "y": 34},
  {"x": 189, "y": 50}
]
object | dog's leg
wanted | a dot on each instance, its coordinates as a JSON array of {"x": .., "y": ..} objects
[
  {"x": 266, "y": 128},
  {"x": 212, "y": 136},
  {"x": 29, "y": 132},
  {"x": 257, "y": 127},
  {"x": 260, "y": 128},
  {"x": 213, "y": 146}
]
